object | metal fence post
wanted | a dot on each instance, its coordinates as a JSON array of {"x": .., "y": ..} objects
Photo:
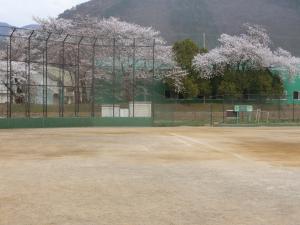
[
  {"x": 43, "y": 83},
  {"x": 77, "y": 103},
  {"x": 10, "y": 85},
  {"x": 93, "y": 78},
  {"x": 28, "y": 111},
  {"x": 133, "y": 78},
  {"x": 293, "y": 109},
  {"x": 223, "y": 110},
  {"x": 153, "y": 81},
  {"x": 279, "y": 109},
  {"x": 7, "y": 82},
  {"x": 62, "y": 100},
  {"x": 211, "y": 115},
  {"x": 114, "y": 76},
  {"x": 45, "y": 100}
]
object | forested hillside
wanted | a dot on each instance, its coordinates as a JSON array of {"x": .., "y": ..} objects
[{"x": 179, "y": 19}]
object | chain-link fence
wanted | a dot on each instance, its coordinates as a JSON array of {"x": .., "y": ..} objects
[
  {"x": 229, "y": 110},
  {"x": 53, "y": 75},
  {"x": 44, "y": 75}
]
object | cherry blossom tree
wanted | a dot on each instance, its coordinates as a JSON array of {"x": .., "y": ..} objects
[
  {"x": 126, "y": 41},
  {"x": 248, "y": 51},
  {"x": 105, "y": 30},
  {"x": 127, "y": 44}
]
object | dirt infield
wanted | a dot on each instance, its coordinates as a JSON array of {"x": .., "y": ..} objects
[{"x": 150, "y": 176}]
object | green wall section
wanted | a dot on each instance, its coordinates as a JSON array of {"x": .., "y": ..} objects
[
  {"x": 291, "y": 84},
  {"x": 74, "y": 122}
]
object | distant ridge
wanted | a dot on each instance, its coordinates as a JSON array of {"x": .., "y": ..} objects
[
  {"x": 32, "y": 26},
  {"x": 4, "y": 27},
  {"x": 179, "y": 19}
]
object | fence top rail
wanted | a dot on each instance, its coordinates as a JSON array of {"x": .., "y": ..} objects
[{"x": 44, "y": 35}]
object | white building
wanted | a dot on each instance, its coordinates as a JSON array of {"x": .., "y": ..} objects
[{"x": 3, "y": 94}]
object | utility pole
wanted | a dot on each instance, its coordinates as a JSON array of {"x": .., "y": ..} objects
[{"x": 204, "y": 40}]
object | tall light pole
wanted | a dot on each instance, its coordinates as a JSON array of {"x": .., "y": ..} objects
[{"x": 204, "y": 40}]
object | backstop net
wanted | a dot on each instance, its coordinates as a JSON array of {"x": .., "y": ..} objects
[
  {"x": 46, "y": 75},
  {"x": 50, "y": 75}
]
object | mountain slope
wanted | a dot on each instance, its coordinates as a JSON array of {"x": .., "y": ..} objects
[
  {"x": 4, "y": 28},
  {"x": 32, "y": 26},
  {"x": 178, "y": 19}
]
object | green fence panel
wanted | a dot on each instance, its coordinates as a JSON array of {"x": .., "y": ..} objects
[{"x": 74, "y": 122}]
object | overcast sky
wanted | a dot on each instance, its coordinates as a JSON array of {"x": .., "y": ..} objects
[{"x": 20, "y": 12}]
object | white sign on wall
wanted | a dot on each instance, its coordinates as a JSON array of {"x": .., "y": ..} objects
[
  {"x": 109, "y": 111},
  {"x": 124, "y": 113},
  {"x": 140, "y": 109}
]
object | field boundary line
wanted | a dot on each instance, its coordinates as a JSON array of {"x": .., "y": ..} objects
[{"x": 210, "y": 146}]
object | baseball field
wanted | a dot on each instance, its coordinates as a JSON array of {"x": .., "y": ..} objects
[{"x": 150, "y": 176}]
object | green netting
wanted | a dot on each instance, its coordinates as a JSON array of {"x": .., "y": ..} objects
[
  {"x": 175, "y": 112},
  {"x": 73, "y": 122}
]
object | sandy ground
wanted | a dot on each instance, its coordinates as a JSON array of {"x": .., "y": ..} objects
[{"x": 150, "y": 176}]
